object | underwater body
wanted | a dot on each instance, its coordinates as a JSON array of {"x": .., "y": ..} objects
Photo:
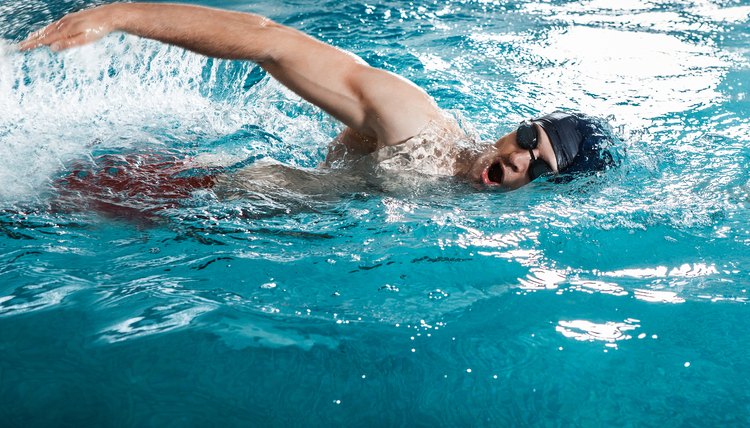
[{"x": 298, "y": 295}]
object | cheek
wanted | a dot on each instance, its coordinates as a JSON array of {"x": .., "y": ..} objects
[
  {"x": 491, "y": 152},
  {"x": 507, "y": 144}
]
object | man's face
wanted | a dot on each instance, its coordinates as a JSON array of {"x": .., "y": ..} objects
[{"x": 505, "y": 165}]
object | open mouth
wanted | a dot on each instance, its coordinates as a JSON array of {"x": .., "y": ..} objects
[{"x": 493, "y": 175}]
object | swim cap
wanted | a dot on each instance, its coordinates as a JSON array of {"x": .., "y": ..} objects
[{"x": 577, "y": 140}]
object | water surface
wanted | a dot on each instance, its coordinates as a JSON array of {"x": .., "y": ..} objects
[{"x": 618, "y": 299}]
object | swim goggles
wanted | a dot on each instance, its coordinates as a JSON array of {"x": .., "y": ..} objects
[{"x": 527, "y": 138}]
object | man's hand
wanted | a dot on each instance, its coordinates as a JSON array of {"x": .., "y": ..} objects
[{"x": 74, "y": 30}]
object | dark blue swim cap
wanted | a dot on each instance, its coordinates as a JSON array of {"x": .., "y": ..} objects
[{"x": 580, "y": 142}]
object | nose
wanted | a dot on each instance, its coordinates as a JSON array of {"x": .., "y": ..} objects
[{"x": 519, "y": 161}]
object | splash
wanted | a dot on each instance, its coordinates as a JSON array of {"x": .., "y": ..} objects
[{"x": 129, "y": 93}]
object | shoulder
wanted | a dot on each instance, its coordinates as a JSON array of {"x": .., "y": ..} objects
[{"x": 395, "y": 108}]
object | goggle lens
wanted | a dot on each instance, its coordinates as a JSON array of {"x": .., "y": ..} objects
[
  {"x": 527, "y": 138},
  {"x": 538, "y": 168},
  {"x": 526, "y": 135}
]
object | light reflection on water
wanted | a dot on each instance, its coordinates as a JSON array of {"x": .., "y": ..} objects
[
  {"x": 685, "y": 270},
  {"x": 609, "y": 332},
  {"x": 635, "y": 76}
]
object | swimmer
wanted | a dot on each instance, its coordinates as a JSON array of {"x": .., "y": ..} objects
[{"x": 385, "y": 116}]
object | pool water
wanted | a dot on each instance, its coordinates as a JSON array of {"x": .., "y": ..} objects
[{"x": 614, "y": 300}]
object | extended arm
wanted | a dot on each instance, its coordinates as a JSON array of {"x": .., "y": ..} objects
[{"x": 371, "y": 101}]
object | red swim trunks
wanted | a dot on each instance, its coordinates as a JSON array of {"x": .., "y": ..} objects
[{"x": 121, "y": 184}]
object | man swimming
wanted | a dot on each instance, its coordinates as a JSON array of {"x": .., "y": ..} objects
[{"x": 385, "y": 116}]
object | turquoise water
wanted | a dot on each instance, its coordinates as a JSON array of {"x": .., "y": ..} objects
[{"x": 615, "y": 300}]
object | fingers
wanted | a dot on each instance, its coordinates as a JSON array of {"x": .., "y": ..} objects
[
  {"x": 69, "y": 42},
  {"x": 46, "y": 36},
  {"x": 32, "y": 41},
  {"x": 72, "y": 30}
]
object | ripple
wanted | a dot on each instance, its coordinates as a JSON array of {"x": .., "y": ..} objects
[
  {"x": 155, "y": 320},
  {"x": 609, "y": 332},
  {"x": 542, "y": 279},
  {"x": 32, "y": 298},
  {"x": 685, "y": 270},
  {"x": 591, "y": 286},
  {"x": 657, "y": 296},
  {"x": 252, "y": 331}
]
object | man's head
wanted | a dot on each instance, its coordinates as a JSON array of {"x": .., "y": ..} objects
[{"x": 549, "y": 145}]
